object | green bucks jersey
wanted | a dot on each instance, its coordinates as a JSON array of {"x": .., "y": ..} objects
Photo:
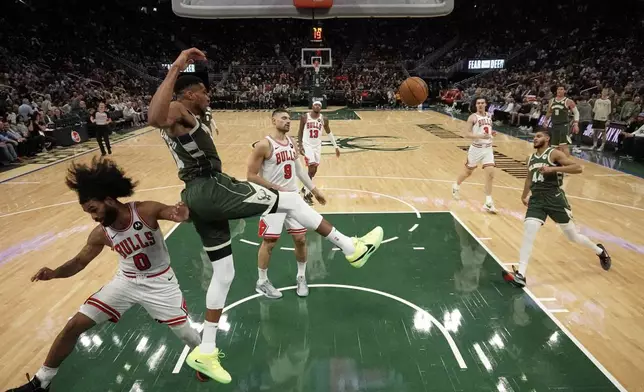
[
  {"x": 559, "y": 111},
  {"x": 195, "y": 153},
  {"x": 543, "y": 182}
]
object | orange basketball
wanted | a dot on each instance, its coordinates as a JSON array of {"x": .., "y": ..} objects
[{"x": 413, "y": 91}]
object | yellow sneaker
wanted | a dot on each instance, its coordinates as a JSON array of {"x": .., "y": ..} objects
[
  {"x": 365, "y": 247},
  {"x": 209, "y": 365}
]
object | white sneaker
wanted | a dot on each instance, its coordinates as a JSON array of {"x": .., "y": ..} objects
[
  {"x": 302, "y": 288},
  {"x": 489, "y": 207},
  {"x": 455, "y": 194},
  {"x": 268, "y": 290}
]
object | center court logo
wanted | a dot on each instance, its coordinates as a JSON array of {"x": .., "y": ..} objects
[{"x": 352, "y": 144}]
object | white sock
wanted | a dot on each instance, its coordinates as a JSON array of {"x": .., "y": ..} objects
[
  {"x": 208, "y": 341},
  {"x": 570, "y": 231},
  {"x": 263, "y": 275},
  {"x": 488, "y": 200},
  {"x": 301, "y": 268},
  {"x": 455, "y": 186},
  {"x": 45, "y": 375},
  {"x": 530, "y": 229},
  {"x": 341, "y": 241}
]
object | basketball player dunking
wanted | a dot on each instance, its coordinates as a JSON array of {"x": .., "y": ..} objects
[
  {"x": 479, "y": 130},
  {"x": 214, "y": 197},
  {"x": 559, "y": 110},
  {"x": 310, "y": 141},
  {"x": 144, "y": 275},
  {"x": 548, "y": 200},
  {"x": 275, "y": 164}
]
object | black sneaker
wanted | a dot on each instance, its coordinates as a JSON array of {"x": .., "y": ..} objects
[
  {"x": 604, "y": 258},
  {"x": 32, "y": 385},
  {"x": 514, "y": 277}
]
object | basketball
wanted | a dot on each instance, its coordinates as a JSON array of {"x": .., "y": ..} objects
[{"x": 413, "y": 91}]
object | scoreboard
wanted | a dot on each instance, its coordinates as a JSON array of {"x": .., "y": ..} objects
[{"x": 317, "y": 34}]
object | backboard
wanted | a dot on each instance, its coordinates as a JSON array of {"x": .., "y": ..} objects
[
  {"x": 322, "y": 55},
  {"x": 241, "y": 9}
]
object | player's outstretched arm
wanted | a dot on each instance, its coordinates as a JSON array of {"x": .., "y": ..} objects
[
  {"x": 567, "y": 164},
  {"x": 526, "y": 185},
  {"x": 153, "y": 211},
  {"x": 303, "y": 175},
  {"x": 327, "y": 129},
  {"x": 160, "y": 113},
  {"x": 300, "y": 134},
  {"x": 95, "y": 243},
  {"x": 260, "y": 152}
]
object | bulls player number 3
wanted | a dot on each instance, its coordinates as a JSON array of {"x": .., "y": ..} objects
[{"x": 141, "y": 261}]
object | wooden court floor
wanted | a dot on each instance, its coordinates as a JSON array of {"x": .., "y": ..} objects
[{"x": 391, "y": 162}]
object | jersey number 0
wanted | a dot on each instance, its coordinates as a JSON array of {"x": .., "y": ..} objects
[{"x": 141, "y": 261}]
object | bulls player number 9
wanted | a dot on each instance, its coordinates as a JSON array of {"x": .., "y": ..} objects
[
  {"x": 288, "y": 171},
  {"x": 141, "y": 261}
]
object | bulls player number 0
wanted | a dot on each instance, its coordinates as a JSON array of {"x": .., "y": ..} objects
[
  {"x": 288, "y": 172},
  {"x": 141, "y": 261}
]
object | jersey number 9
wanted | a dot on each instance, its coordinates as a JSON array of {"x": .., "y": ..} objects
[{"x": 288, "y": 171}]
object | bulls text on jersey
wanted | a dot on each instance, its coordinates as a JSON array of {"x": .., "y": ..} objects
[
  {"x": 132, "y": 244},
  {"x": 283, "y": 156}
]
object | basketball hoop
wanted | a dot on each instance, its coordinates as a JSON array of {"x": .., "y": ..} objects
[{"x": 316, "y": 66}]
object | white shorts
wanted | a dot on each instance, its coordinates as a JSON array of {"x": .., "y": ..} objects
[
  {"x": 312, "y": 155},
  {"x": 482, "y": 155},
  {"x": 270, "y": 226},
  {"x": 159, "y": 295}
]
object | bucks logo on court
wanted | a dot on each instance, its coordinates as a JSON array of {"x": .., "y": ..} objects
[{"x": 351, "y": 144}]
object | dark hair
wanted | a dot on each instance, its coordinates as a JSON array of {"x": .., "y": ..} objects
[
  {"x": 473, "y": 103},
  {"x": 99, "y": 180},
  {"x": 280, "y": 110},
  {"x": 545, "y": 131},
  {"x": 186, "y": 81}
]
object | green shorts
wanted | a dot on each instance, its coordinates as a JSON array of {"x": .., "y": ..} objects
[
  {"x": 213, "y": 201},
  {"x": 547, "y": 204},
  {"x": 560, "y": 135}
]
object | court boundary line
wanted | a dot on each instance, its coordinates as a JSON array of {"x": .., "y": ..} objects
[
  {"x": 478, "y": 184},
  {"x": 557, "y": 322},
  {"x": 73, "y": 156},
  {"x": 448, "y": 337}
]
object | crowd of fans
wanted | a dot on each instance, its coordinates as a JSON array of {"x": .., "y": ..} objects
[{"x": 59, "y": 60}]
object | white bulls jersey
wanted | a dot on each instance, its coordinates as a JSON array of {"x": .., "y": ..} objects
[
  {"x": 141, "y": 250},
  {"x": 280, "y": 167},
  {"x": 482, "y": 126},
  {"x": 313, "y": 130}
]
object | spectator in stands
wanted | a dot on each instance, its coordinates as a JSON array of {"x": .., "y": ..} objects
[
  {"x": 18, "y": 142},
  {"x": 585, "y": 118},
  {"x": 38, "y": 133},
  {"x": 602, "y": 110},
  {"x": 101, "y": 121},
  {"x": 7, "y": 147},
  {"x": 25, "y": 110},
  {"x": 633, "y": 143}
]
